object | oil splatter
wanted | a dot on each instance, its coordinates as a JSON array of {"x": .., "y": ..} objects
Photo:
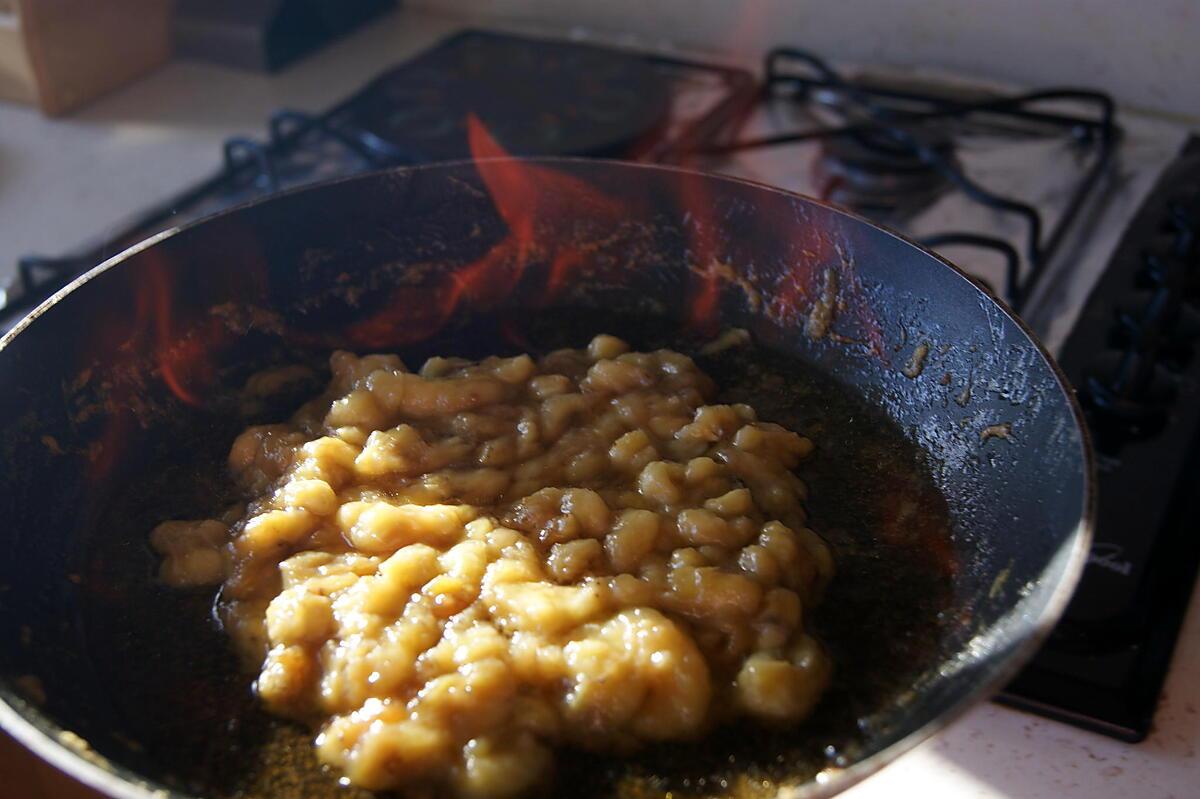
[
  {"x": 998, "y": 583},
  {"x": 729, "y": 339},
  {"x": 822, "y": 313},
  {"x": 1002, "y": 430},
  {"x": 916, "y": 362},
  {"x": 963, "y": 398}
]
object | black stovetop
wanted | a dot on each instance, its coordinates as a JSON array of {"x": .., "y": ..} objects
[{"x": 1132, "y": 356}]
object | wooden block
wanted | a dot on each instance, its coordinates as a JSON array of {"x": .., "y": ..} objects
[{"x": 62, "y": 53}]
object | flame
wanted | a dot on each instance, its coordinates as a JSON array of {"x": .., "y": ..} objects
[
  {"x": 704, "y": 258},
  {"x": 798, "y": 288},
  {"x": 121, "y": 345},
  {"x": 564, "y": 263},
  {"x": 180, "y": 360},
  {"x": 540, "y": 207},
  {"x": 513, "y": 188},
  {"x": 824, "y": 280},
  {"x": 858, "y": 307},
  {"x": 529, "y": 199},
  {"x": 180, "y": 352}
]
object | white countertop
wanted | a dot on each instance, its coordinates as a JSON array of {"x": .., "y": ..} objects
[
  {"x": 62, "y": 181},
  {"x": 996, "y": 752}
]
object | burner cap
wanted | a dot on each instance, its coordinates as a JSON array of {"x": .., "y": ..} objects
[
  {"x": 876, "y": 172},
  {"x": 536, "y": 97}
]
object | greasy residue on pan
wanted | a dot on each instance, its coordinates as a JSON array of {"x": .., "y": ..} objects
[{"x": 178, "y": 693}]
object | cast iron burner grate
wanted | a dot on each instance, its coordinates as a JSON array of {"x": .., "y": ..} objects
[{"x": 894, "y": 153}]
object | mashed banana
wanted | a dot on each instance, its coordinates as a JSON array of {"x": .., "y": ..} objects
[{"x": 450, "y": 572}]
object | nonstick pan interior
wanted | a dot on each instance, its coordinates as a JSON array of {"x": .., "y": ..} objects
[{"x": 912, "y": 381}]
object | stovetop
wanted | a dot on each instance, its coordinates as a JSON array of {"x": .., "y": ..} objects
[
  {"x": 1056, "y": 155},
  {"x": 1082, "y": 217}
]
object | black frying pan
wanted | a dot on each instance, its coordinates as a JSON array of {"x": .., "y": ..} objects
[{"x": 952, "y": 473}]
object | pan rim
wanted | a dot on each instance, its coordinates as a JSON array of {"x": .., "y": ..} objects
[{"x": 123, "y": 783}]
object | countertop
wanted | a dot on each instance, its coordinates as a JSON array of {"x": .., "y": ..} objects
[{"x": 62, "y": 181}]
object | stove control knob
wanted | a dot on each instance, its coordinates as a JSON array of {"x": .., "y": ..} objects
[
  {"x": 1191, "y": 279},
  {"x": 1184, "y": 214},
  {"x": 1151, "y": 313},
  {"x": 1128, "y": 385},
  {"x": 1187, "y": 325},
  {"x": 1162, "y": 261},
  {"x": 1158, "y": 322}
]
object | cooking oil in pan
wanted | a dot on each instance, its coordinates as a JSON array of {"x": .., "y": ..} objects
[{"x": 182, "y": 701}]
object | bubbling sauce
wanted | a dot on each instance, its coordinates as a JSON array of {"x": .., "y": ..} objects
[{"x": 449, "y": 573}]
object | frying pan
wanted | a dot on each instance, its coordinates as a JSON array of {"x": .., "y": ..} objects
[{"x": 119, "y": 382}]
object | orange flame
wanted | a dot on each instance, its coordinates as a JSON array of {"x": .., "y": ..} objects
[
  {"x": 825, "y": 275},
  {"x": 180, "y": 351},
  {"x": 122, "y": 344},
  {"x": 704, "y": 294},
  {"x": 180, "y": 360},
  {"x": 528, "y": 200},
  {"x": 564, "y": 263},
  {"x": 534, "y": 202},
  {"x": 798, "y": 288}
]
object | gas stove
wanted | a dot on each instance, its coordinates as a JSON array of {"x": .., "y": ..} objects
[{"x": 1082, "y": 217}]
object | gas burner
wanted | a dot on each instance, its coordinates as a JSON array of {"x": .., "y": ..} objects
[
  {"x": 879, "y": 172},
  {"x": 537, "y": 97},
  {"x": 886, "y": 151}
]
